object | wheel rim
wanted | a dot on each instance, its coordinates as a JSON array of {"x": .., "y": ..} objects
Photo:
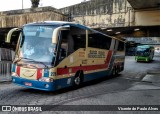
[
  {"x": 77, "y": 80},
  {"x": 113, "y": 72}
]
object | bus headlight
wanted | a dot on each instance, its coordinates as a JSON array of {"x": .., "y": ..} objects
[
  {"x": 44, "y": 79},
  {"x": 15, "y": 74},
  {"x": 13, "y": 80}
]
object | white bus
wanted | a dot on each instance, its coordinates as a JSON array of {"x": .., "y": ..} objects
[{"x": 54, "y": 55}]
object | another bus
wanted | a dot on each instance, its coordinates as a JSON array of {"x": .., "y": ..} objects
[
  {"x": 144, "y": 53},
  {"x": 54, "y": 55}
]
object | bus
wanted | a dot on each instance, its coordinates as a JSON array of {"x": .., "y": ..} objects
[
  {"x": 144, "y": 53},
  {"x": 52, "y": 55}
]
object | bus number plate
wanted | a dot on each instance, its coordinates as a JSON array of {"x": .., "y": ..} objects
[{"x": 28, "y": 84}]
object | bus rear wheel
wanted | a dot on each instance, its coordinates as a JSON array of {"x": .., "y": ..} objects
[
  {"x": 117, "y": 70},
  {"x": 78, "y": 79},
  {"x": 113, "y": 71}
]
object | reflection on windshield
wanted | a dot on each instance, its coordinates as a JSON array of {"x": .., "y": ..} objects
[
  {"x": 143, "y": 49},
  {"x": 142, "y": 52},
  {"x": 37, "y": 44},
  {"x": 31, "y": 60}
]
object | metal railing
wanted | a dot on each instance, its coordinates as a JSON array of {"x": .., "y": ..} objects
[
  {"x": 5, "y": 68},
  {"x": 6, "y": 54},
  {"x": 6, "y": 57}
]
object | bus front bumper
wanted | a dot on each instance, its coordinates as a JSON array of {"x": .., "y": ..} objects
[
  {"x": 140, "y": 58},
  {"x": 34, "y": 84}
]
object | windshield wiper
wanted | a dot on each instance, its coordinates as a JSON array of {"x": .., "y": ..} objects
[
  {"x": 32, "y": 60},
  {"x": 21, "y": 59},
  {"x": 41, "y": 63}
]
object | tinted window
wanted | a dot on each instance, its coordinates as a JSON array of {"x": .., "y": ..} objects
[
  {"x": 79, "y": 41},
  {"x": 97, "y": 40},
  {"x": 120, "y": 46}
]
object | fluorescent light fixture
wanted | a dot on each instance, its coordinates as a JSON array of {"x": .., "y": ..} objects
[
  {"x": 109, "y": 30},
  {"x": 137, "y": 29},
  {"x": 103, "y": 28},
  {"x": 118, "y": 32}
]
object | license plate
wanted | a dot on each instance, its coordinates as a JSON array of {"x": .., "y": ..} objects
[{"x": 28, "y": 84}]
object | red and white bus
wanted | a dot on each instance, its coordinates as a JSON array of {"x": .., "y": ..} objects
[{"x": 52, "y": 55}]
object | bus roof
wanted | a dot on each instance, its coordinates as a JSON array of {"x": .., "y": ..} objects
[
  {"x": 145, "y": 46},
  {"x": 65, "y": 23},
  {"x": 60, "y": 23}
]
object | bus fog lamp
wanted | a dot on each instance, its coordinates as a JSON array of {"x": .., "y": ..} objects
[{"x": 46, "y": 86}]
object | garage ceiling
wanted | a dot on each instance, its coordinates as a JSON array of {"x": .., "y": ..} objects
[{"x": 143, "y": 4}]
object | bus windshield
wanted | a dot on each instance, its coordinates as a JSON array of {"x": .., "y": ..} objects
[
  {"x": 36, "y": 44},
  {"x": 142, "y": 49}
]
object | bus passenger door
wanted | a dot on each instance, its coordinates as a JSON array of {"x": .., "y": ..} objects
[
  {"x": 64, "y": 45},
  {"x": 62, "y": 48}
]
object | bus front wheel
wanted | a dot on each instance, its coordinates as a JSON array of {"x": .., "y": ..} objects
[{"x": 78, "y": 79}]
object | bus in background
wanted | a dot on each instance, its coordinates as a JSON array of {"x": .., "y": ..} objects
[
  {"x": 54, "y": 55},
  {"x": 131, "y": 48},
  {"x": 144, "y": 53}
]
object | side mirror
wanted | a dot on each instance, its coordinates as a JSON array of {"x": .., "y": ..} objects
[
  {"x": 56, "y": 33},
  {"x": 9, "y": 35}
]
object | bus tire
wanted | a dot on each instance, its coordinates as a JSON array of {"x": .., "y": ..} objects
[
  {"x": 78, "y": 78},
  {"x": 113, "y": 71},
  {"x": 116, "y": 71}
]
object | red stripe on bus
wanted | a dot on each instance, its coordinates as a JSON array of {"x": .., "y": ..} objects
[
  {"x": 108, "y": 57},
  {"x": 18, "y": 70},
  {"x": 62, "y": 71},
  {"x": 39, "y": 73}
]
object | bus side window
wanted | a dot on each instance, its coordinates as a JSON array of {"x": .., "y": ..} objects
[
  {"x": 79, "y": 38},
  {"x": 70, "y": 44},
  {"x": 63, "y": 49},
  {"x": 79, "y": 41},
  {"x": 63, "y": 46},
  {"x": 121, "y": 46},
  {"x": 97, "y": 40}
]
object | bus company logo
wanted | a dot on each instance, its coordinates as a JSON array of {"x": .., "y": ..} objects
[
  {"x": 96, "y": 54},
  {"x": 6, "y": 108},
  {"x": 81, "y": 54},
  {"x": 29, "y": 73}
]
